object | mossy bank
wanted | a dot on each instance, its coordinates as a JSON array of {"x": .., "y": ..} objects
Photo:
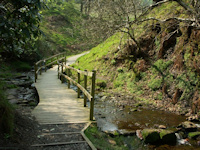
[{"x": 164, "y": 73}]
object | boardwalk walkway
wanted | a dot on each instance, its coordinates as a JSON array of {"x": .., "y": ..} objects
[{"x": 58, "y": 104}]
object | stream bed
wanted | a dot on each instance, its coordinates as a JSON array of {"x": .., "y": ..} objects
[{"x": 128, "y": 119}]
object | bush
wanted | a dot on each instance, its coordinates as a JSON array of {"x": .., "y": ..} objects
[
  {"x": 7, "y": 116},
  {"x": 21, "y": 66}
]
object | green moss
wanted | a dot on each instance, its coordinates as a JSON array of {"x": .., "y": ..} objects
[
  {"x": 120, "y": 80},
  {"x": 155, "y": 83},
  {"x": 150, "y": 136},
  {"x": 160, "y": 66},
  {"x": 118, "y": 142},
  {"x": 193, "y": 135},
  {"x": 168, "y": 137}
]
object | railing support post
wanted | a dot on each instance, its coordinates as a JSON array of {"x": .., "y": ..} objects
[
  {"x": 40, "y": 68},
  {"x": 93, "y": 95},
  {"x": 68, "y": 74},
  {"x": 35, "y": 73},
  {"x": 91, "y": 108},
  {"x": 78, "y": 89},
  {"x": 62, "y": 78},
  {"x": 85, "y": 86},
  {"x": 45, "y": 65},
  {"x": 58, "y": 70}
]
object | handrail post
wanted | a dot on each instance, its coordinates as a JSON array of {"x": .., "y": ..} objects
[
  {"x": 35, "y": 73},
  {"x": 65, "y": 60},
  {"x": 68, "y": 74},
  {"x": 92, "y": 94},
  {"x": 62, "y": 78},
  {"x": 40, "y": 68},
  {"x": 91, "y": 108},
  {"x": 78, "y": 89},
  {"x": 45, "y": 65},
  {"x": 85, "y": 86},
  {"x": 58, "y": 69},
  {"x": 51, "y": 62}
]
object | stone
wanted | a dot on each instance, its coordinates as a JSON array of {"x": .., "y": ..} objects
[
  {"x": 162, "y": 127},
  {"x": 134, "y": 109},
  {"x": 112, "y": 142},
  {"x": 13, "y": 101},
  {"x": 168, "y": 137},
  {"x": 193, "y": 135},
  {"x": 103, "y": 98},
  {"x": 126, "y": 132},
  {"x": 139, "y": 134},
  {"x": 112, "y": 133},
  {"x": 151, "y": 136},
  {"x": 188, "y": 126}
]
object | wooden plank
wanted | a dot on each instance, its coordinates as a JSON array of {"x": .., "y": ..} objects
[
  {"x": 78, "y": 85},
  {"x": 86, "y": 138},
  {"x": 58, "y": 104},
  {"x": 61, "y": 133},
  {"x": 79, "y": 71},
  {"x": 78, "y": 89},
  {"x": 85, "y": 87},
  {"x": 57, "y": 144}
]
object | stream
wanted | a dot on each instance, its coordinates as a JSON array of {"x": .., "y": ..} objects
[{"x": 128, "y": 119}]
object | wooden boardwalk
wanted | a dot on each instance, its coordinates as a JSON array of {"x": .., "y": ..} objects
[{"x": 58, "y": 104}]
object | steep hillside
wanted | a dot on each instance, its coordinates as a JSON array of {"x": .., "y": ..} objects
[
  {"x": 164, "y": 73},
  {"x": 62, "y": 29}
]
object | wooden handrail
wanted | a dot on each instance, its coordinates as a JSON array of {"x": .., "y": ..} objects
[
  {"x": 43, "y": 63},
  {"x": 61, "y": 57},
  {"x": 88, "y": 95}
]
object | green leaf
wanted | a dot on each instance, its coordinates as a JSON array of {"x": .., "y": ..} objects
[{"x": 26, "y": 32}]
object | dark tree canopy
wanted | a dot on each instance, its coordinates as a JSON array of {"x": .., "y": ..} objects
[{"x": 19, "y": 27}]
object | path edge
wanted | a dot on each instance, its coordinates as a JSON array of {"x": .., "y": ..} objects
[{"x": 86, "y": 138}]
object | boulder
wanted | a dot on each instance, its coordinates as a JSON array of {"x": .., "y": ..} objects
[
  {"x": 168, "y": 137},
  {"x": 188, "y": 126},
  {"x": 162, "y": 127},
  {"x": 151, "y": 136}
]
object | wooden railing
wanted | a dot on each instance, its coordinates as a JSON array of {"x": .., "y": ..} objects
[
  {"x": 47, "y": 62},
  {"x": 87, "y": 95}
]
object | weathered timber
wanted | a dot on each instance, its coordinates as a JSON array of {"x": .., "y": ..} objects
[
  {"x": 57, "y": 144},
  {"x": 93, "y": 94},
  {"x": 90, "y": 74},
  {"x": 43, "y": 63},
  {"x": 58, "y": 104},
  {"x": 78, "y": 85},
  {"x": 85, "y": 86},
  {"x": 79, "y": 80}
]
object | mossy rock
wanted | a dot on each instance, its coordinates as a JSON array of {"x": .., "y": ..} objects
[
  {"x": 193, "y": 135},
  {"x": 151, "y": 136},
  {"x": 168, "y": 137},
  {"x": 188, "y": 126}
]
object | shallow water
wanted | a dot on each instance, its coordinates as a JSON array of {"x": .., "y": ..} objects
[
  {"x": 110, "y": 118},
  {"x": 133, "y": 120}
]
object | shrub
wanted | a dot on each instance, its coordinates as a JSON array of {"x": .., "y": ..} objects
[
  {"x": 21, "y": 66},
  {"x": 7, "y": 116}
]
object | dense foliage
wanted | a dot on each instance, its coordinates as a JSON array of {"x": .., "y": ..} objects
[{"x": 19, "y": 27}]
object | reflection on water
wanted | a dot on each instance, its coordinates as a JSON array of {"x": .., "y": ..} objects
[{"x": 126, "y": 119}]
